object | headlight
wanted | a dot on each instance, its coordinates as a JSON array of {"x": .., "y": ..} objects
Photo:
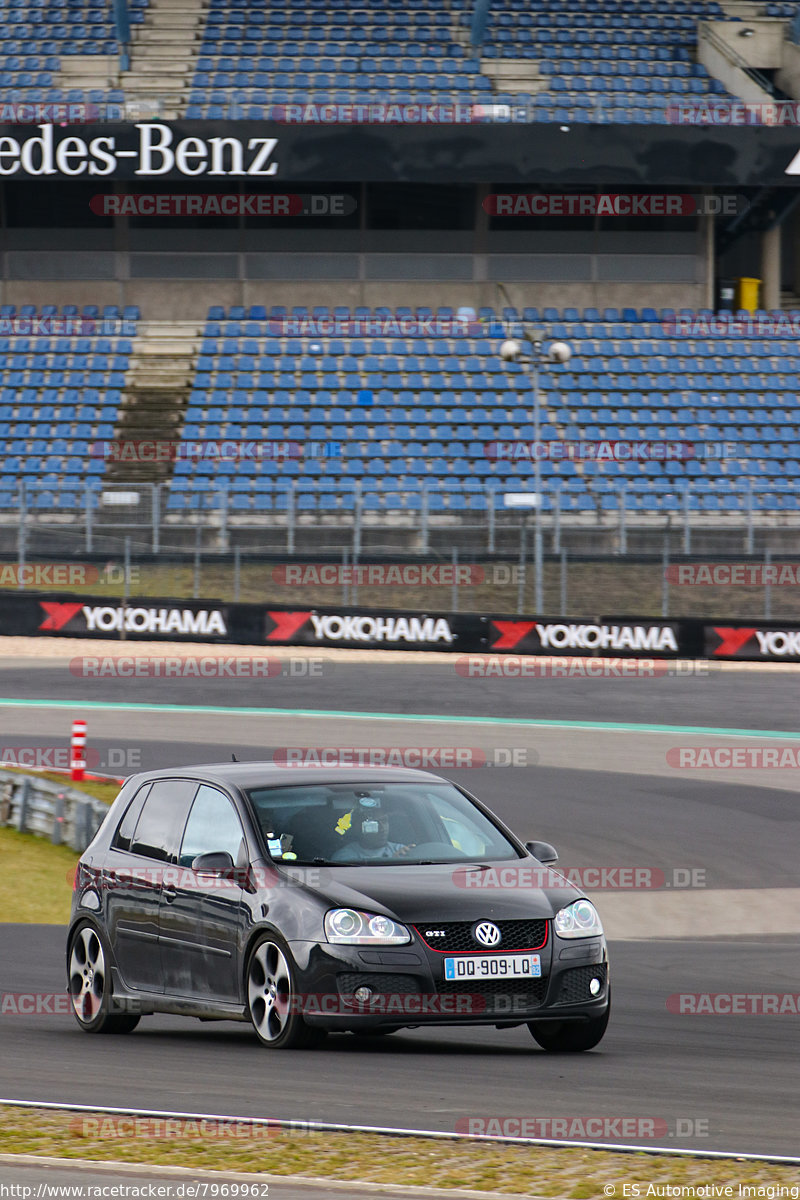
[
  {"x": 349, "y": 927},
  {"x": 578, "y": 920}
]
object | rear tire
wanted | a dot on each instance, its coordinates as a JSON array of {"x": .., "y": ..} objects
[
  {"x": 570, "y": 1037},
  {"x": 89, "y": 984}
]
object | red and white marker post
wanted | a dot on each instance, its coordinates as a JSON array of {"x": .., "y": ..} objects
[{"x": 78, "y": 750}]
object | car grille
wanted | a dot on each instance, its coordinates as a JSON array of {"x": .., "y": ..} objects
[
  {"x": 506, "y": 998},
  {"x": 574, "y": 987},
  {"x": 458, "y": 939}
]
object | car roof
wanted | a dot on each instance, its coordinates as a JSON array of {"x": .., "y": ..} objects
[{"x": 267, "y": 774}]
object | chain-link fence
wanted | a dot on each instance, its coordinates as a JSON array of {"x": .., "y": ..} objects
[{"x": 575, "y": 584}]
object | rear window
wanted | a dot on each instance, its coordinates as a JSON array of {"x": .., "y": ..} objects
[
  {"x": 161, "y": 821},
  {"x": 122, "y": 838}
]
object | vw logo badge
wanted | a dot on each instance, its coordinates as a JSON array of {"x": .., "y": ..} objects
[{"x": 487, "y": 933}]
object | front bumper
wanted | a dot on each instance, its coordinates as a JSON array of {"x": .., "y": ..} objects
[{"x": 408, "y": 987}]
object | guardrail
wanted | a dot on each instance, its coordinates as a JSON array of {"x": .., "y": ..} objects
[{"x": 65, "y": 815}]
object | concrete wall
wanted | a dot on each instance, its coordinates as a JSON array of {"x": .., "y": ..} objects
[
  {"x": 763, "y": 51},
  {"x": 175, "y": 300},
  {"x": 788, "y": 78},
  {"x": 177, "y": 273},
  {"x": 720, "y": 66}
]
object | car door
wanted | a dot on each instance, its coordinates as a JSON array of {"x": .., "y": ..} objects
[
  {"x": 144, "y": 845},
  {"x": 201, "y": 915}
]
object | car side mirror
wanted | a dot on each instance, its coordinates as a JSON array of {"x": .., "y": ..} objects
[
  {"x": 543, "y": 851},
  {"x": 217, "y": 863}
]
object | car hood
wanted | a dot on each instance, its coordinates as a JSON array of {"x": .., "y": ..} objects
[{"x": 449, "y": 892}]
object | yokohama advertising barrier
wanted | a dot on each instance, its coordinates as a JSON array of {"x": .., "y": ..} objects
[
  {"x": 396, "y": 630},
  {"x": 35, "y": 614},
  {"x": 747, "y": 641}
]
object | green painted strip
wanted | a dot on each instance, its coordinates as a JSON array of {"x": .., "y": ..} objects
[{"x": 428, "y": 718}]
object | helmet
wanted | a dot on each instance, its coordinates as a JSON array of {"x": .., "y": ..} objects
[{"x": 370, "y": 822}]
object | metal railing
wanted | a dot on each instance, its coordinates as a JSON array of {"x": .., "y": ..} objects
[
  {"x": 58, "y": 812},
  {"x": 214, "y": 516}
]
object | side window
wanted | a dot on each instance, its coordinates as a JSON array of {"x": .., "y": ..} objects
[
  {"x": 122, "y": 838},
  {"x": 213, "y": 827},
  {"x": 162, "y": 818}
]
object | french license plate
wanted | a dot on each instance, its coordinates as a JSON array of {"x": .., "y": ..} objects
[{"x": 493, "y": 966}]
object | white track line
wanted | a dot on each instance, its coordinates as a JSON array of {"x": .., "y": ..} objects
[{"x": 394, "y": 1131}]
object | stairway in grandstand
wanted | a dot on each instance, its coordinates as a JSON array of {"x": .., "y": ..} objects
[
  {"x": 163, "y": 57},
  {"x": 155, "y": 398}
]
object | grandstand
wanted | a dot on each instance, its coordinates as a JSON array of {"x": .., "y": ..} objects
[
  {"x": 599, "y": 61},
  {"x": 393, "y": 427},
  {"x": 59, "y": 395},
  {"x": 418, "y": 419}
]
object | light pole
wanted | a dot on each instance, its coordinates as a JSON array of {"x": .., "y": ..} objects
[{"x": 556, "y": 352}]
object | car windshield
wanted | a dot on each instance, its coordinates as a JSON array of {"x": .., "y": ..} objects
[{"x": 375, "y": 823}]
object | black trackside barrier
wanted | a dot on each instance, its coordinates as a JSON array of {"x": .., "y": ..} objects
[{"x": 38, "y": 614}]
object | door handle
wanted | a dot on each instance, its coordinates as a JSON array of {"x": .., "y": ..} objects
[{"x": 169, "y": 894}]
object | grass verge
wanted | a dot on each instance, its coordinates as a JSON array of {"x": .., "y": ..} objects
[
  {"x": 46, "y": 870},
  {"x": 92, "y": 787},
  {"x": 572, "y": 1173},
  {"x": 590, "y": 588}
]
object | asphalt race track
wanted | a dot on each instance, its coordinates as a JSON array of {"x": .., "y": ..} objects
[
  {"x": 604, "y": 796},
  {"x": 736, "y": 1074}
]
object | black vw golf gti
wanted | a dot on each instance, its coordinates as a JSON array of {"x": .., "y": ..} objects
[{"x": 312, "y": 900}]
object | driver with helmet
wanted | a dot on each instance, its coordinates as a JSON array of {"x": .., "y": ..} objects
[{"x": 368, "y": 825}]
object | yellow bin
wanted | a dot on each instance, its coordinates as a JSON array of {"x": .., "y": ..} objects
[{"x": 747, "y": 293}]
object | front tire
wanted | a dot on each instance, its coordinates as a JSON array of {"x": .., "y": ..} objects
[
  {"x": 570, "y": 1037},
  {"x": 272, "y": 998},
  {"x": 89, "y": 984}
]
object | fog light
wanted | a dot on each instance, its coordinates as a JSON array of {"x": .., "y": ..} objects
[
  {"x": 594, "y": 986},
  {"x": 362, "y": 994}
]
